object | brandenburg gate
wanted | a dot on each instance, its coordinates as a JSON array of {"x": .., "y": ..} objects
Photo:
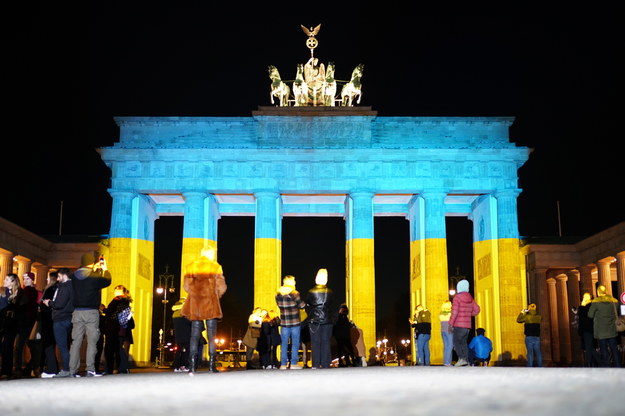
[{"x": 297, "y": 159}]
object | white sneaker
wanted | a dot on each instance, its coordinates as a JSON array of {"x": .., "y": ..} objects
[
  {"x": 461, "y": 363},
  {"x": 296, "y": 367},
  {"x": 47, "y": 375}
]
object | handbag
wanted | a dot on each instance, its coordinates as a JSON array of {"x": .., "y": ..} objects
[{"x": 620, "y": 321}]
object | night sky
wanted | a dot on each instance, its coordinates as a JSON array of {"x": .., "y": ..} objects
[{"x": 69, "y": 72}]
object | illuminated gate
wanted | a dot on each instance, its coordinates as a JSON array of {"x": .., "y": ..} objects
[{"x": 326, "y": 161}]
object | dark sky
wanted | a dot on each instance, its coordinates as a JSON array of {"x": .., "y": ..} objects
[{"x": 69, "y": 72}]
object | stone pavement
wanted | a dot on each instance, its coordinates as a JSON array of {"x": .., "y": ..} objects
[{"x": 445, "y": 391}]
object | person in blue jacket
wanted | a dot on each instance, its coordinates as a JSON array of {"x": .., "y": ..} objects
[{"x": 480, "y": 348}]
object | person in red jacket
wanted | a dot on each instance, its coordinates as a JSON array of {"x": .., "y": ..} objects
[{"x": 462, "y": 310}]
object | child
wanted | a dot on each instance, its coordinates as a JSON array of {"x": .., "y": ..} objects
[{"x": 480, "y": 348}]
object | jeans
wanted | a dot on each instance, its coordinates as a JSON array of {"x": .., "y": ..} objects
[
  {"x": 591, "y": 357},
  {"x": 448, "y": 346},
  {"x": 610, "y": 343},
  {"x": 320, "y": 338},
  {"x": 292, "y": 333},
  {"x": 62, "y": 330},
  {"x": 532, "y": 344},
  {"x": 196, "y": 334},
  {"x": 84, "y": 321},
  {"x": 460, "y": 343},
  {"x": 423, "y": 349}
]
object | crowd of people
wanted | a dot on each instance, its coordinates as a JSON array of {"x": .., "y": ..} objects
[
  {"x": 595, "y": 322},
  {"x": 60, "y": 317},
  {"x": 69, "y": 310}
]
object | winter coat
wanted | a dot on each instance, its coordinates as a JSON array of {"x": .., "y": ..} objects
[
  {"x": 481, "y": 347},
  {"x": 603, "y": 313},
  {"x": 88, "y": 286},
  {"x": 205, "y": 284},
  {"x": 62, "y": 303},
  {"x": 112, "y": 326},
  {"x": 462, "y": 309},
  {"x": 531, "y": 321},
  {"x": 320, "y": 305},
  {"x": 289, "y": 303},
  {"x": 423, "y": 323}
]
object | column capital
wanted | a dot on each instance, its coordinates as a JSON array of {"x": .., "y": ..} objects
[
  {"x": 116, "y": 193},
  {"x": 573, "y": 275},
  {"x": 513, "y": 193}
]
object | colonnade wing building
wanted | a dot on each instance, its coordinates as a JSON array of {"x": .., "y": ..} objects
[{"x": 326, "y": 161}]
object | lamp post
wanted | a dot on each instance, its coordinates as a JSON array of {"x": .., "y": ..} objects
[
  {"x": 165, "y": 286},
  {"x": 406, "y": 344}
]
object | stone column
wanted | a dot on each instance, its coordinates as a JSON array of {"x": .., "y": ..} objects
[
  {"x": 360, "y": 285},
  {"x": 620, "y": 272},
  {"x": 586, "y": 280},
  {"x": 510, "y": 279},
  {"x": 564, "y": 324},
  {"x": 436, "y": 277},
  {"x": 574, "y": 302},
  {"x": 544, "y": 302},
  {"x": 552, "y": 311},
  {"x": 23, "y": 266},
  {"x": 41, "y": 274},
  {"x": 194, "y": 222},
  {"x": 268, "y": 247},
  {"x": 6, "y": 262},
  {"x": 605, "y": 276}
]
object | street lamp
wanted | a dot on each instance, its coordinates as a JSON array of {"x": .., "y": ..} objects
[{"x": 165, "y": 286}]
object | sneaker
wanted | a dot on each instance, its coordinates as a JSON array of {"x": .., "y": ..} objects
[
  {"x": 461, "y": 363},
  {"x": 283, "y": 367},
  {"x": 47, "y": 375},
  {"x": 63, "y": 374},
  {"x": 296, "y": 367},
  {"x": 93, "y": 374}
]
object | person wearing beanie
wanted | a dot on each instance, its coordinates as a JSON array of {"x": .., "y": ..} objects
[
  {"x": 289, "y": 303},
  {"x": 322, "y": 314},
  {"x": 531, "y": 320},
  {"x": 87, "y": 283},
  {"x": 446, "y": 334},
  {"x": 462, "y": 310},
  {"x": 585, "y": 329},
  {"x": 603, "y": 312},
  {"x": 25, "y": 323}
]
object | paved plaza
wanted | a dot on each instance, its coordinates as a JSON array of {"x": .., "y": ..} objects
[{"x": 445, "y": 391}]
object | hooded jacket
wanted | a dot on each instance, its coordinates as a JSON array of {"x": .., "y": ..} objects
[
  {"x": 205, "y": 283},
  {"x": 462, "y": 309},
  {"x": 602, "y": 311},
  {"x": 88, "y": 286}
]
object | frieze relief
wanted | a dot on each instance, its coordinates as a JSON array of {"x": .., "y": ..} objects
[
  {"x": 320, "y": 169},
  {"x": 484, "y": 266}
]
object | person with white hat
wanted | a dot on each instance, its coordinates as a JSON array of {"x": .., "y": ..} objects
[{"x": 462, "y": 310}]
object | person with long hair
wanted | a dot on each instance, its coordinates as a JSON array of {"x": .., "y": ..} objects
[
  {"x": 118, "y": 328},
  {"x": 48, "y": 343},
  {"x": 12, "y": 295}
]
